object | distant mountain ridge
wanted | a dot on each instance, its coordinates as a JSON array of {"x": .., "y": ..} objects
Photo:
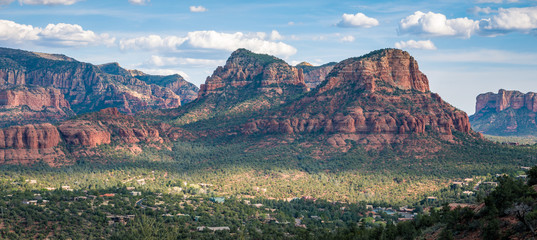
[
  {"x": 85, "y": 87},
  {"x": 315, "y": 75},
  {"x": 506, "y": 113}
]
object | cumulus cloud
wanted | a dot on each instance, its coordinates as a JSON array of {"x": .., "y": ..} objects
[
  {"x": 348, "y": 39},
  {"x": 14, "y": 32},
  {"x": 275, "y": 36},
  {"x": 357, "y": 20},
  {"x": 413, "y": 44},
  {"x": 210, "y": 40},
  {"x": 60, "y": 34},
  {"x": 198, "y": 9},
  {"x": 505, "y": 20},
  {"x": 73, "y": 35},
  {"x": 49, "y": 2},
  {"x": 510, "y": 19},
  {"x": 139, "y": 2},
  {"x": 436, "y": 24},
  {"x": 160, "y": 61},
  {"x": 152, "y": 42}
]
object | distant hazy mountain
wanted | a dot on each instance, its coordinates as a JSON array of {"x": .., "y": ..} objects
[
  {"x": 40, "y": 87},
  {"x": 506, "y": 113}
]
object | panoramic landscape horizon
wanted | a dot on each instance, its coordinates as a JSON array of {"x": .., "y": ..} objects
[{"x": 140, "y": 119}]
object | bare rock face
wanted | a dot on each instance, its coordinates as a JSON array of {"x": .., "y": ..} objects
[
  {"x": 244, "y": 68},
  {"x": 119, "y": 128},
  {"x": 29, "y": 143},
  {"x": 506, "y": 99},
  {"x": 506, "y": 113},
  {"x": 185, "y": 90},
  {"x": 315, "y": 75},
  {"x": 86, "y": 87},
  {"x": 378, "y": 99},
  {"x": 84, "y": 133},
  {"x": 387, "y": 69},
  {"x": 27, "y": 105}
]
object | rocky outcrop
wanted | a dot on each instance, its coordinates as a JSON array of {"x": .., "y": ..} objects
[
  {"x": 86, "y": 87},
  {"x": 506, "y": 113},
  {"x": 387, "y": 69},
  {"x": 261, "y": 72},
  {"x": 121, "y": 128},
  {"x": 84, "y": 133},
  {"x": 32, "y": 104},
  {"x": 506, "y": 99},
  {"x": 315, "y": 75},
  {"x": 29, "y": 143},
  {"x": 176, "y": 83},
  {"x": 377, "y": 99}
]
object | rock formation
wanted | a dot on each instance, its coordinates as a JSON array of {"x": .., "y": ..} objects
[
  {"x": 247, "y": 83},
  {"x": 186, "y": 90},
  {"x": 86, "y": 87},
  {"x": 30, "y": 143},
  {"x": 261, "y": 72},
  {"x": 377, "y": 99},
  {"x": 506, "y": 113},
  {"x": 315, "y": 75},
  {"x": 32, "y": 104}
]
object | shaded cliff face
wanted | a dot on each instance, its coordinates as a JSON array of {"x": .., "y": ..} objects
[
  {"x": 83, "y": 85},
  {"x": 315, "y": 75},
  {"x": 378, "y": 99},
  {"x": 32, "y": 104},
  {"x": 506, "y": 113},
  {"x": 185, "y": 90}
]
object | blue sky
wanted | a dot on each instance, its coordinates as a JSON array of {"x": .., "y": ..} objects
[{"x": 464, "y": 47}]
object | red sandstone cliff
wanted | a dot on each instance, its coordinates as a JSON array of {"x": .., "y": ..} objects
[
  {"x": 506, "y": 99},
  {"x": 506, "y": 113},
  {"x": 25, "y": 105},
  {"x": 30, "y": 143},
  {"x": 261, "y": 72},
  {"x": 83, "y": 85},
  {"x": 380, "y": 98},
  {"x": 315, "y": 75}
]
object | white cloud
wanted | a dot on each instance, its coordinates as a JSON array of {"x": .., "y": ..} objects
[
  {"x": 152, "y": 42},
  {"x": 139, "y": 2},
  {"x": 6, "y": 2},
  {"x": 14, "y": 32},
  {"x": 436, "y": 24},
  {"x": 275, "y": 36},
  {"x": 510, "y": 19},
  {"x": 198, "y": 9},
  {"x": 72, "y": 35},
  {"x": 348, "y": 39},
  {"x": 60, "y": 34},
  {"x": 211, "y": 40},
  {"x": 357, "y": 20},
  {"x": 49, "y": 2},
  {"x": 412, "y": 44},
  {"x": 160, "y": 61}
]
